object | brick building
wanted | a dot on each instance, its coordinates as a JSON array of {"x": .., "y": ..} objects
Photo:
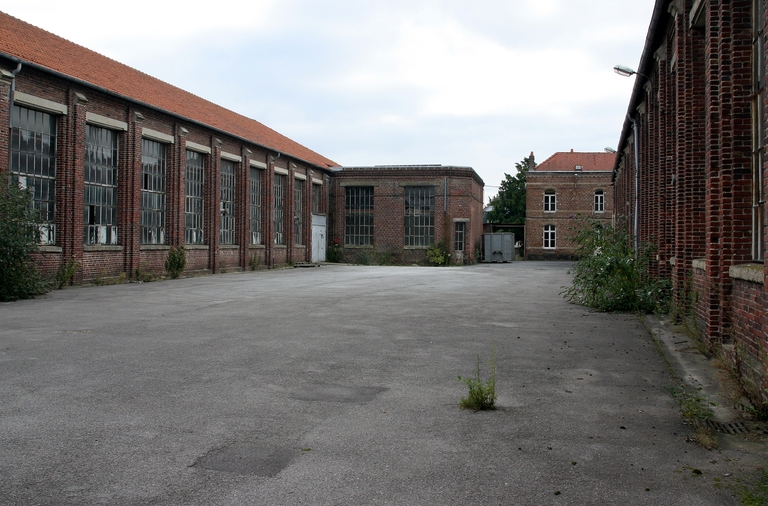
[
  {"x": 399, "y": 211},
  {"x": 691, "y": 172},
  {"x": 124, "y": 166},
  {"x": 560, "y": 190}
]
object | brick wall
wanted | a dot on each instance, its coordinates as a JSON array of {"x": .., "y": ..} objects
[
  {"x": 575, "y": 193},
  {"x": 694, "y": 114},
  {"x": 458, "y": 196}
]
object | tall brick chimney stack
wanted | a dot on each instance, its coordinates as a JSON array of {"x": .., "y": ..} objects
[{"x": 531, "y": 162}]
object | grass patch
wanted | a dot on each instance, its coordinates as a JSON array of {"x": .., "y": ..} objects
[
  {"x": 753, "y": 491},
  {"x": 482, "y": 394}
]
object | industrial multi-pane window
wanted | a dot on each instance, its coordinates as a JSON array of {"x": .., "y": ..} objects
[
  {"x": 419, "y": 215},
  {"x": 358, "y": 216},
  {"x": 254, "y": 207},
  {"x": 279, "y": 208},
  {"x": 317, "y": 198},
  {"x": 152, "y": 220},
  {"x": 227, "y": 228},
  {"x": 599, "y": 201},
  {"x": 758, "y": 130},
  {"x": 550, "y": 201},
  {"x": 33, "y": 163},
  {"x": 193, "y": 200},
  {"x": 550, "y": 236},
  {"x": 100, "y": 191},
  {"x": 458, "y": 235},
  {"x": 298, "y": 211}
]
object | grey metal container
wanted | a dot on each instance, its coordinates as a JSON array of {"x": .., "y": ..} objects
[{"x": 499, "y": 247}]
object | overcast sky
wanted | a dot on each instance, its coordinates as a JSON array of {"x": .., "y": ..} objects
[{"x": 456, "y": 82}]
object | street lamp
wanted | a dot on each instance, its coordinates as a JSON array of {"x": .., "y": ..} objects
[{"x": 623, "y": 70}]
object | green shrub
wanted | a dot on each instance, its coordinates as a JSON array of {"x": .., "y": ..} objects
[
  {"x": 438, "y": 254},
  {"x": 362, "y": 257},
  {"x": 176, "y": 261},
  {"x": 482, "y": 394},
  {"x": 611, "y": 276},
  {"x": 19, "y": 279},
  {"x": 66, "y": 273},
  {"x": 333, "y": 254},
  {"x": 255, "y": 261}
]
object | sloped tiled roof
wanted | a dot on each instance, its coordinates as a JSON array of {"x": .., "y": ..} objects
[
  {"x": 25, "y": 42},
  {"x": 567, "y": 161}
]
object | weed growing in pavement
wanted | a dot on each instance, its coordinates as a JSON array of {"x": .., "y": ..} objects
[
  {"x": 66, "y": 273},
  {"x": 482, "y": 394},
  {"x": 692, "y": 405},
  {"x": 754, "y": 491}
]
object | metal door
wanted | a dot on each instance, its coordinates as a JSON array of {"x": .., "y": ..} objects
[{"x": 318, "y": 238}]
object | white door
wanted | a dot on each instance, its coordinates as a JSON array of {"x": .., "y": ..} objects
[{"x": 318, "y": 238}]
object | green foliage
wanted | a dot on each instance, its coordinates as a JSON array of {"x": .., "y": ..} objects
[
  {"x": 753, "y": 491},
  {"x": 610, "y": 276},
  {"x": 176, "y": 261},
  {"x": 482, "y": 394},
  {"x": 692, "y": 405},
  {"x": 333, "y": 254},
  {"x": 362, "y": 257},
  {"x": 66, "y": 273},
  {"x": 509, "y": 202},
  {"x": 255, "y": 261},
  {"x": 438, "y": 254},
  {"x": 19, "y": 279},
  {"x": 143, "y": 275}
]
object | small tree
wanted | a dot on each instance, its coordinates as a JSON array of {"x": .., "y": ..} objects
[
  {"x": 19, "y": 220},
  {"x": 509, "y": 202}
]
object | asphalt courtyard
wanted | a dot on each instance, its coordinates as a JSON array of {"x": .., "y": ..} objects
[{"x": 338, "y": 385}]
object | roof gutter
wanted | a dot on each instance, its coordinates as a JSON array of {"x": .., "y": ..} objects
[
  {"x": 144, "y": 104},
  {"x": 658, "y": 19}
]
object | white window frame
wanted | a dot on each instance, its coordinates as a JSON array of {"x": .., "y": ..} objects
[
  {"x": 550, "y": 237},
  {"x": 550, "y": 201},
  {"x": 599, "y": 206}
]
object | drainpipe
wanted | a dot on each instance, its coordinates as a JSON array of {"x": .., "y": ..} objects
[
  {"x": 13, "y": 91},
  {"x": 637, "y": 181}
]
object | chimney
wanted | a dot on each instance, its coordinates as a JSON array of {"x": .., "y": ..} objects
[{"x": 531, "y": 162}]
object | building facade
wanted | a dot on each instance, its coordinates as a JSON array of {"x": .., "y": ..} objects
[
  {"x": 396, "y": 212},
  {"x": 123, "y": 166},
  {"x": 559, "y": 192},
  {"x": 691, "y": 173}
]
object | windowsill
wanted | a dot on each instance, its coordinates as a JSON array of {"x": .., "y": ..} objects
[
  {"x": 299, "y": 246},
  {"x": 549, "y": 249},
  {"x": 196, "y": 246},
  {"x": 103, "y": 247},
  {"x": 256, "y": 246},
  {"x": 699, "y": 263},
  {"x": 359, "y": 246},
  {"x": 150, "y": 247},
  {"x": 599, "y": 212},
  {"x": 550, "y": 212},
  {"x": 280, "y": 246},
  {"x": 416, "y": 247},
  {"x": 47, "y": 248},
  {"x": 748, "y": 272},
  {"x": 229, "y": 246}
]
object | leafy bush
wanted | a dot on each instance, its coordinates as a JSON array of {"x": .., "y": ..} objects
[
  {"x": 482, "y": 394},
  {"x": 176, "y": 261},
  {"x": 19, "y": 279},
  {"x": 610, "y": 276},
  {"x": 438, "y": 254}
]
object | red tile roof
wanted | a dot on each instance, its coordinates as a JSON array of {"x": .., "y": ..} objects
[
  {"x": 22, "y": 41},
  {"x": 567, "y": 161}
]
